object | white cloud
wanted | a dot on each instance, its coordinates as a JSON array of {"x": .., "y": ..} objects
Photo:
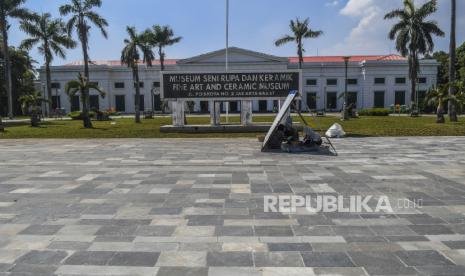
[{"x": 332, "y": 3}]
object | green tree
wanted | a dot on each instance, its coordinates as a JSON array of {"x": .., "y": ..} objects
[
  {"x": 131, "y": 56},
  {"x": 439, "y": 97},
  {"x": 80, "y": 86},
  {"x": 22, "y": 78},
  {"x": 300, "y": 31},
  {"x": 161, "y": 37},
  {"x": 52, "y": 38},
  {"x": 30, "y": 105},
  {"x": 414, "y": 35},
  {"x": 10, "y": 9},
  {"x": 82, "y": 15}
]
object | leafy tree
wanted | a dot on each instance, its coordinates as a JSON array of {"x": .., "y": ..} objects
[
  {"x": 161, "y": 37},
  {"x": 439, "y": 97},
  {"x": 80, "y": 86},
  {"x": 9, "y": 9},
  {"x": 30, "y": 105},
  {"x": 130, "y": 56},
  {"x": 414, "y": 35},
  {"x": 52, "y": 39},
  {"x": 300, "y": 31},
  {"x": 82, "y": 16},
  {"x": 22, "y": 78}
]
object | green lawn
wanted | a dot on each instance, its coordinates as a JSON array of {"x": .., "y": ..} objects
[{"x": 126, "y": 128}]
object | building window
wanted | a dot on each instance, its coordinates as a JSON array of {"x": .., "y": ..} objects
[
  {"x": 56, "y": 102},
  {"x": 352, "y": 81},
  {"x": 56, "y": 85},
  {"x": 380, "y": 80},
  {"x": 262, "y": 106},
  {"x": 421, "y": 80},
  {"x": 331, "y": 100},
  {"x": 141, "y": 102},
  {"x": 401, "y": 80},
  {"x": 119, "y": 85},
  {"x": 94, "y": 102},
  {"x": 352, "y": 99},
  {"x": 156, "y": 84},
  {"x": 120, "y": 103},
  {"x": 311, "y": 100},
  {"x": 331, "y": 82},
  {"x": 75, "y": 104},
  {"x": 311, "y": 82},
  {"x": 379, "y": 99},
  {"x": 141, "y": 84},
  {"x": 399, "y": 98},
  {"x": 421, "y": 100}
]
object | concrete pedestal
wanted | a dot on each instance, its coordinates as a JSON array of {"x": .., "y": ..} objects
[
  {"x": 215, "y": 113},
  {"x": 177, "y": 109},
  {"x": 246, "y": 113}
]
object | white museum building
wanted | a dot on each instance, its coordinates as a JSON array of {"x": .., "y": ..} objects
[{"x": 373, "y": 81}]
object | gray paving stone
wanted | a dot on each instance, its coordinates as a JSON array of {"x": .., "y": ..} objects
[
  {"x": 423, "y": 258},
  {"x": 326, "y": 259},
  {"x": 41, "y": 230},
  {"x": 289, "y": 247},
  {"x": 273, "y": 231},
  {"x": 229, "y": 259},
  {"x": 234, "y": 231},
  {"x": 182, "y": 271},
  {"x": 43, "y": 257},
  {"x": 279, "y": 259},
  {"x": 148, "y": 259},
  {"x": 89, "y": 258}
]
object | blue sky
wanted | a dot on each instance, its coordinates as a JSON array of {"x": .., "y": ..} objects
[{"x": 350, "y": 26}]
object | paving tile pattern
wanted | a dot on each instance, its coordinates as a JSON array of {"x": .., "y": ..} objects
[{"x": 195, "y": 207}]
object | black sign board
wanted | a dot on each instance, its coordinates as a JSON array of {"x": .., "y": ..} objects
[{"x": 229, "y": 85}]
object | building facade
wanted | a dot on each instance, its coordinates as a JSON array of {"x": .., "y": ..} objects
[{"x": 373, "y": 81}]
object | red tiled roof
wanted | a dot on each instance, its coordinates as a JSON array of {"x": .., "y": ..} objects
[
  {"x": 321, "y": 59},
  {"x": 314, "y": 59},
  {"x": 118, "y": 62}
]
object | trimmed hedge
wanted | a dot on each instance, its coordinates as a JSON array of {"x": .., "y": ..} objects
[
  {"x": 77, "y": 115},
  {"x": 374, "y": 112}
]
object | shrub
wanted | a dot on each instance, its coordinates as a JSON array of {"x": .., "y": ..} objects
[
  {"x": 374, "y": 112},
  {"x": 77, "y": 115}
]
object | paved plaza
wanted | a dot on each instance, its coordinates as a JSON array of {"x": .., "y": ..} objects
[{"x": 195, "y": 207}]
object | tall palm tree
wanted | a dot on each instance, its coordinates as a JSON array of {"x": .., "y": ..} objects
[
  {"x": 130, "y": 56},
  {"x": 10, "y": 9},
  {"x": 81, "y": 85},
  {"x": 52, "y": 38},
  {"x": 452, "y": 61},
  {"x": 82, "y": 15},
  {"x": 300, "y": 31},
  {"x": 414, "y": 35},
  {"x": 163, "y": 36}
]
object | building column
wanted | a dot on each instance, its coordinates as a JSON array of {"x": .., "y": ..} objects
[
  {"x": 177, "y": 109},
  {"x": 215, "y": 112},
  {"x": 246, "y": 113}
]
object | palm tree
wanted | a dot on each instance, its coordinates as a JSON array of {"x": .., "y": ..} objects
[
  {"x": 161, "y": 37},
  {"x": 438, "y": 96},
  {"x": 10, "y": 9},
  {"x": 81, "y": 85},
  {"x": 452, "y": 60},
  {"x": 131, "y": 56},
  {"x": 52, "y": 38},
  {"x": 82, "y": 15},
  {"x": 30, "y": 104},
  {"x": 300, "y": 31},
  {"x": 414, "y": 35}
]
